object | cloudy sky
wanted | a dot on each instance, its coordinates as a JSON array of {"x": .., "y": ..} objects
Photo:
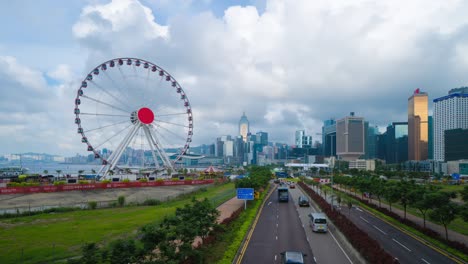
[{"x": 288, "y": 64}]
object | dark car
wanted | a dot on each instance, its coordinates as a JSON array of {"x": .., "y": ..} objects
[
  {"x": 292, "y": 257},
  {"x": 303, "y": 201},
  {"x": 276, "y": 181},
  {"x": 292, "y": 186}
]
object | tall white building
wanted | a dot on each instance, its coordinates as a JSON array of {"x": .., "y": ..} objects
[
  {"x": 303, "y": 141},
  {"x": 450, "y": 112},
  {"x": 350, "y": 137}
]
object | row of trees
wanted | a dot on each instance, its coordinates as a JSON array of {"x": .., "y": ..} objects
[
  {"x": 429, "y": 200},
  {"x": 258, "y": 178},
  {"x": 169, "y": 241}
]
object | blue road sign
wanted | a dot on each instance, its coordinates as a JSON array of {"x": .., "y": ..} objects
[
  {"x": 245, "y": 193},
  {"x": 456, "y": 176}
]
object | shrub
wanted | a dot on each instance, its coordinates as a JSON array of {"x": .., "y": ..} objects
[
  {"x": 59, "y": 183},
  {"x": 126, "y": 180},
  {"x": 151, "y": 202},
  {"x": 143, "y": 180},
  {"x": 159, "y": 180},
  {"x": 92, "y": 205},
  {"x": 83, "y": 182},
  {"x": 121, "y": 201},
  {"x": 106, "y": 181}
]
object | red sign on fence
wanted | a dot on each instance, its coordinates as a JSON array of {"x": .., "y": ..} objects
[{"x": 93, "y": 186}]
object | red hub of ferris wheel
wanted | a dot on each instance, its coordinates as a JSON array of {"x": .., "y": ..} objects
[{"x": 145, "y": 115}]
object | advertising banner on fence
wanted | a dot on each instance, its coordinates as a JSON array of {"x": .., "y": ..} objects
[{"x": 93, "y": 186}]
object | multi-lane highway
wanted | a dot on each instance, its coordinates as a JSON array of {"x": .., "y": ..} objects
[
  {"x": 284, "y": 227},
  {"x": 406, "y": 248}
]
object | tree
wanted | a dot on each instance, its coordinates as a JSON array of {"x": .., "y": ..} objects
[
  {"x": 378, "y": 188},
  {"x": 463, "y": 212},
  {"x": 93, "y": 171},
  {"x": 349, "y": 203},
  {"x": 406, "y": 193},
  {"x": 424, "y": 203},
  {"x": 80, "y": 172},
  {"x": 46, "y": 172},
  {"x": 175, "y": 235},
  {"x": 123, "y": 251},
  {"x": 444, "y": 215},
  {"x": 339, "y": 198},
  {"x": 391, "y": 194},
  {"x": 464, "y": 194}
]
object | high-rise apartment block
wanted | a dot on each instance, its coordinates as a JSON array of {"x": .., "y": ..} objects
[
  {"x": 350, "y": 137},
  {"x": 450, "y": 112},
  {"x": 302, "y": 140},
  {"x": 417, "y": 126}
]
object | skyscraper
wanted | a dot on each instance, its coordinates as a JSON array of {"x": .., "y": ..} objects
[
  {"x": 303, "y": 141},
  {"x": 329, "y": 137},
  {"x": 417, "y": 126},
  {"x": 350, "y": 140},
  {"x": 371, "y": 133},
  {"x": 396, "y": 143},
  {"x": 244, "y": 127},
  {"x": 450, "y": 112}
]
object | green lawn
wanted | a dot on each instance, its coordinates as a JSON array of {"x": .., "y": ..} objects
[{"x": 46, "y": 237}]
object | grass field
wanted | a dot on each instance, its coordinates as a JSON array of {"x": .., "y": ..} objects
[{"x": 48, "y": 237}]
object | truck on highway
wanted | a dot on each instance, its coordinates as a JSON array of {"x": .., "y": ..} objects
[{"x": 283, "y": 194}]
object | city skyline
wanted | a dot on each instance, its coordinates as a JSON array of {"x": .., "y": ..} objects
[{"x": 274, "y": 60}]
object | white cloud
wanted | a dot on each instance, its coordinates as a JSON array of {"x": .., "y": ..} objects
[{"x": 287, "y": 67}]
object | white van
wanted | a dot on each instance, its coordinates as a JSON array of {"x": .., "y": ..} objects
[{"x": 318, "y": 222}]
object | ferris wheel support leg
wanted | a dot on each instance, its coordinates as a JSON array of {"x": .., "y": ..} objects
[
  {"x": 151, "y": 144},
  {"x": 163, "y": 154},
  {"x": 120, "y": 149}
]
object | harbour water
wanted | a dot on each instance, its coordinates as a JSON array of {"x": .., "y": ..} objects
[{"x": 52, "y": 168}]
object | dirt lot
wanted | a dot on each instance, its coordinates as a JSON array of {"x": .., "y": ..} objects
[{"x": 75, "y": 198}]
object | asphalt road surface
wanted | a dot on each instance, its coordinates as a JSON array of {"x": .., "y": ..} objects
[
  {"x": 405, "y": 248},
  {"x": 284, "y": 227}
]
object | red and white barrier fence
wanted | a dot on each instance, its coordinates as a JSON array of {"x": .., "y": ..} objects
[{"x": 94, "y": 186}]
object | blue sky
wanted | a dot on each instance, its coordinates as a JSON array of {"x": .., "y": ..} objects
[{"x": 288, "y": 64}]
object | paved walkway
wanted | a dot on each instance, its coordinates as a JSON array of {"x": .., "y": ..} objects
[
  {"x": 225, "y": 210},
  {"x": 452, "y": 235}
]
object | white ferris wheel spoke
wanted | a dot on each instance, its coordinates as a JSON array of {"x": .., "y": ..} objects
[
  {"x": 170, "y": 123},
  {"x": 104, "y": 103},
  {"x": 157, "y": 144},
  {"x": 106, "y": 126},
  {"x": 170, "y": 131},
  {"x": 118, "y": 86},
  {"x": 184, "y": 113},
  {"x": 120, "y": 149},
  {"x": 111, "y": 95},
  {"x": 115, "y": 135},
  {"x": 96, "y": 114},
  {"x": 152, "y": 145}
]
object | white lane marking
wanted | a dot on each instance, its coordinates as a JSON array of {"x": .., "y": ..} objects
[
  {"x": 276, "y": 237},
  {"x": 269, "y": 203},
  {"x": 276, "y": 225},
  {"x": 359, "y": 209},
  {"x": 336, "y": 241},
  {"x": 425, "y": 261},
  {"x": 364, "y": 219},
  {"x": 275, "y": 257},
  {"x": 381, "y": 231},
  {"x": 315, "y": 260},
  {"x": 402, "y": 245}
]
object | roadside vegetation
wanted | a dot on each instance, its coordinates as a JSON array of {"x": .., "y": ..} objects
[
  {"x": 430, "y": 202},
  {"x": 47, "y": 237}
]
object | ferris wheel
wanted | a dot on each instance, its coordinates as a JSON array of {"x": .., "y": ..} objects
[{"x": 132, "y": 113}]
